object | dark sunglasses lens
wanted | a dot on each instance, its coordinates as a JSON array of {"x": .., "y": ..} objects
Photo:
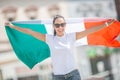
[
  {"x": 57, "y": 25},
  {"x": 63, "y": 24}
]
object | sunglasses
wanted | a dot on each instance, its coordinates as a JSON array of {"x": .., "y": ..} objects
[{"x": 58, "y": 25}]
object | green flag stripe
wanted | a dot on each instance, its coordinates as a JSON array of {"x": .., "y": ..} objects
[
  {"x": 27, "y": 48},
  {"x": 35, "y": 27}
]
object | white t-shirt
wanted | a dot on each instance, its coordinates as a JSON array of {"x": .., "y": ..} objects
[{"x": 62, "y": 53}]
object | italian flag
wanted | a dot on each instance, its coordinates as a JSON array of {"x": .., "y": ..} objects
[{"x": 31, "y": 51}]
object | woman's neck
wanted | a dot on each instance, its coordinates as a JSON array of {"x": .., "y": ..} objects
[{"x": 59, "y": 35}]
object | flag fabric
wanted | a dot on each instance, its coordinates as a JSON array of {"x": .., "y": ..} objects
[
  {"x": 106, "y": 36},
  {"x": 32, "y": 51}
]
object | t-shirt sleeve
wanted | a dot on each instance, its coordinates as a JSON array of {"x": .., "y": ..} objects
[
  {"x": 73, "y": 37},
  {"x": 48, "y": 39}
]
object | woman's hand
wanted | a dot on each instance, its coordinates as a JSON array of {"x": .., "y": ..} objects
[
  {"x": 7, "y": 23},
  {"x": 109, "y": 22}
]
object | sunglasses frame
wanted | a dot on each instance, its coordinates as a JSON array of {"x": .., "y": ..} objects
[{"x": 58, "y": 25}]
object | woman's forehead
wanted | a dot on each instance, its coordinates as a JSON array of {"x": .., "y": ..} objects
[{"x": 59, "y": 20}]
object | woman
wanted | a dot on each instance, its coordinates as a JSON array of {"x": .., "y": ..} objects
[{"x": 61, "y": 47}]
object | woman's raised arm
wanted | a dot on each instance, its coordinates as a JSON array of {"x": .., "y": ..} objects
[
  {"x": 27, "y": 31},
  {"x": 82, "y": 34}
]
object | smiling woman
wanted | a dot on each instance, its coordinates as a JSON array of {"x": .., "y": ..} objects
[
  {"x": 59, "y": 25},
  {"x": 61, "y": 47},
  {"x": 61, "y": 44}
]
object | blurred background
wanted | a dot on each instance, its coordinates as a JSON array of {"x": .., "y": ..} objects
[{"x": 94, "y": 62}]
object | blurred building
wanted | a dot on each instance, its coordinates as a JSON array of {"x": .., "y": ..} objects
[
  {"x": 117, "y": 3},
  {"x": 90, "y": 60}
]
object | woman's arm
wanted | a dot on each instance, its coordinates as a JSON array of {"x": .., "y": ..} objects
[
  {"x": 27, "y": 31},
  {"x": 82, "y": 34}
]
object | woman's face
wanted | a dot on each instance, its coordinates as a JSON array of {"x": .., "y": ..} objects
[{"x": 59, "y": 26}]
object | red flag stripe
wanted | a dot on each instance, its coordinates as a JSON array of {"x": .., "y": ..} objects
[{"x": 106, "y": 36}]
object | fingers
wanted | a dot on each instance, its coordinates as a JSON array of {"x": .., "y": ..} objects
[
  {"x": 110, "y": 22},
  {"x": 7, "y": 23}
]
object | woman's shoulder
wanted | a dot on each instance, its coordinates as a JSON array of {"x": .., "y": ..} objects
[
  {"x": 49, "y": 35},
  {"x": 70, "y": 34}
]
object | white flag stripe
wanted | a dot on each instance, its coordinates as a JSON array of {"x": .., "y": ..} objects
[
  {"x": 82, "y": 41},
  {"x": 68, "y": 20},
  {"x": 70, "y": 27},
  {"x": 49, "y": 28},
  {"x": 76, "y": 27}
]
